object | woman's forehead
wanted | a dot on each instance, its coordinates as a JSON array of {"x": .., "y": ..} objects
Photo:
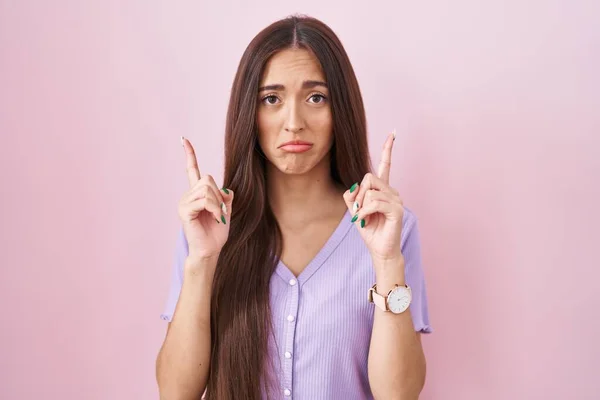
[{"x": 292, "y": 66}]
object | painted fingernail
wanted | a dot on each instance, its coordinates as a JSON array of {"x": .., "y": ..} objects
[
  {"x": 225, "y": 190},
  {"x": 181, "y": 139},
  {"x": 353, "y": 187},
  {"x": 394, "y": 133},
  {"x": 354, "y": 218},
  {"x": 362, "y": 223},
  {"x": 218, "y": 222},
  {"x": 355, "y": 207},
  {"x": 223, "y": 220},
  {"x": 224, "y": 208}
]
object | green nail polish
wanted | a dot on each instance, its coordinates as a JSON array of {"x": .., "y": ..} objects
[
  {"x": 225, "y": 190},
  {"x": 223, "y": 220},
  {"x": 353, "y": 187},
  {"x": 354, "y": 218},
  {"x": 362, "y": 223}
]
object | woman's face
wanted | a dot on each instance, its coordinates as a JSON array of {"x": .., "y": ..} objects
[{"x": 293, "y": 105}]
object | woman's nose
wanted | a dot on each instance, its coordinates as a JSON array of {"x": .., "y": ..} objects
[{"x": 294, "y": 122}]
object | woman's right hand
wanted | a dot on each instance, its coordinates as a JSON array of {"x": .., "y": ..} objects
[{"x": 204, "y": 211}]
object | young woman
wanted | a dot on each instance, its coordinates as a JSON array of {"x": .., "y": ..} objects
[{"x": 301, "y": 277}]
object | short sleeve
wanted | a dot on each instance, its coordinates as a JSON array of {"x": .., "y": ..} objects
[
  {"x": 181, "y": 253},
  {"x": 415, "y": 277}
]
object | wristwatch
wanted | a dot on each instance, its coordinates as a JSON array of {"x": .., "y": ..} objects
[{"x": 397, "y": 300}]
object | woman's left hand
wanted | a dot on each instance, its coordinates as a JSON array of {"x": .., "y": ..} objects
[{"x": 377, "y": 210}]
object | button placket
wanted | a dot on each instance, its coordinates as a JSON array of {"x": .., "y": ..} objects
[{"x": 288, "y": 345}]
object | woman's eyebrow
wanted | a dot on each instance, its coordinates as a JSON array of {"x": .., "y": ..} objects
[{"x": 305, "y": 85}]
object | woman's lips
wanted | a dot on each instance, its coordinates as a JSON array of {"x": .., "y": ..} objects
[{"x": 296, "y": 147}]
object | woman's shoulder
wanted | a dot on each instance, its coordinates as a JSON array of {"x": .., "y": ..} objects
[{"x": 409, "y": 220}]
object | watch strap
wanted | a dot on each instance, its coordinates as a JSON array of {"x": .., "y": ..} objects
[{"x": 378, "y": 299}]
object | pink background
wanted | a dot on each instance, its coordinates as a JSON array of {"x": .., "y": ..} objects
[{"x": 497, "y": 110}]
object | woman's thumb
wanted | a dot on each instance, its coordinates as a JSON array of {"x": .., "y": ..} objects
[{"x": 227, "y": 196}]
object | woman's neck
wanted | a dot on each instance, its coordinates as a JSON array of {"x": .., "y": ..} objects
[{"x": 298, "y": 199}]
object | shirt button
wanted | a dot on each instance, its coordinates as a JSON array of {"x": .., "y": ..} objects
[
  {"x": 288, "y": 354},
  {"x": 290, "y": 318},
  {"x": 287, "y": 392},
  {"x": 292, "y": 282}
]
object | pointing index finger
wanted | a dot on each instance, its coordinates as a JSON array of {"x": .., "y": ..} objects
[
  {"x": 386, "y": 158},
  {"x": 191, "y": 162}
]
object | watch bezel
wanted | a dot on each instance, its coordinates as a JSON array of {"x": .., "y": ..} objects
[{"x": 395, "y": 290}]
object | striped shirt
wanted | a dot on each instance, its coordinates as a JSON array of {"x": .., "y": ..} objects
[{"x": 322, "y": 320}]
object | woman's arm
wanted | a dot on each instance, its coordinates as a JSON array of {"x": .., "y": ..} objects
[
  {"x": 183, "y": 362},
  {"x": 396, "y": 360}
]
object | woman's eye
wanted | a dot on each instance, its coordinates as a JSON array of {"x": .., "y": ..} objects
[
  {"x": 270, "y": 99},
  {"x": 320, "y": 98}
]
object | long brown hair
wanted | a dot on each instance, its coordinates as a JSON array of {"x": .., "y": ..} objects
[{"x": 240, "y": 315}]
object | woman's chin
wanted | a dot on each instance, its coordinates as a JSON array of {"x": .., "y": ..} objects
[
  {"x": 296, "y": 165},
  {"x": 295, "y": 169}
]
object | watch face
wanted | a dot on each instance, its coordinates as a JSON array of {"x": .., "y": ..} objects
[{"x": 399, "y": 300}]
